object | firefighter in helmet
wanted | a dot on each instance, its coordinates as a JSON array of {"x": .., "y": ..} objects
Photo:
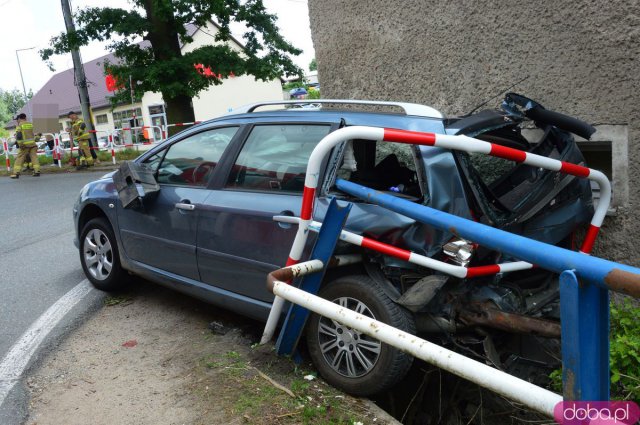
[
  {"x": 80, "y": 134},
  {"x": 27, "y": 145}
]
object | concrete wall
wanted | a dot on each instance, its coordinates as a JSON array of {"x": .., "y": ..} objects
[{"x": 581, "y": 57}]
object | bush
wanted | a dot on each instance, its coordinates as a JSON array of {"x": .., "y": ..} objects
[{"x": 625, "y": 351}]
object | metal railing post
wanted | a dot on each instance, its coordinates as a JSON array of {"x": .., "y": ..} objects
[
  {"x": 584, "y": 310},
  {"x": 323, "y": 250}
]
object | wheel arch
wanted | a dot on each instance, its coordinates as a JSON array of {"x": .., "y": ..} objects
[
  {"x": 366, "y": 267},
  {"x": 88, "y": 213}
]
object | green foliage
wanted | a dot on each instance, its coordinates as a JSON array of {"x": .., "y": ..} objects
[
  {"x": 292, "y": 85},
  {"x": 313, "y": 94},
  {"x": 11, "y": 101},
  {"x": 313, "y": 66},
  {"x": 159, "y": 65},
  {"x": 625, "y": 351},
  {"x": 624, "y": 341}
]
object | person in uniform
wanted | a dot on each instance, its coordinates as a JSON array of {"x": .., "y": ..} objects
[
  {"x": 80, "y": 134},
  {"x": 27, "y": 145}
]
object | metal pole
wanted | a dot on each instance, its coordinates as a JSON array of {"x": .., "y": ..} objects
[
  {"x": 81, "y": 79},
  {"x": 502, "y": 383},
  {"x": 24, "y": 89},
  {"x": 134, "y": 136}
]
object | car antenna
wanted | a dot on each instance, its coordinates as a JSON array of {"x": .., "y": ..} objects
[{"x": 489, "y": 100}]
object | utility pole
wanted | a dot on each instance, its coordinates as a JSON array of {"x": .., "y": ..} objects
[
  {"x": 81, "y": 79},
  {"x": 24, "y": 89}
]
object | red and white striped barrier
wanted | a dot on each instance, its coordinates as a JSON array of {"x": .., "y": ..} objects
[
  {"x": 461, "y": 143},
  {"x": 58, "y": 152},
  {"x": 113, "y": 151},
  {"x": 412, "y": 257},
  {"x": 165, "y": 128},
  {"x": 5, "y": 146}
]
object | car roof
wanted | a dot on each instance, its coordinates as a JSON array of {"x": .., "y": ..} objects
[
  {"x": 408, "y": 108},
  {"x": 349, "y": 117}
]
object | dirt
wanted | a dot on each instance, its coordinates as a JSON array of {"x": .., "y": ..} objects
[{"x": 150, "y": 356}]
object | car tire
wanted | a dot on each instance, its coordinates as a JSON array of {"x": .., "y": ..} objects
[
  {"x": 99, "y": 256},
  {"x": 350, "y": 360}
]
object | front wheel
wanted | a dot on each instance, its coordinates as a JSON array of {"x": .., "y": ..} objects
[
  {"x": 349, "y": 359},
  {"x": 99, "y": 256}
]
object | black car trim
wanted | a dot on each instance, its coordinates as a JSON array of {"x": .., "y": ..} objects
[
  {"x": 217, "y": 254},
  {"x": 173, "y": 244}
]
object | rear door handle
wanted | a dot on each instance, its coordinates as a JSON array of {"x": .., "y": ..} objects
[
  {"x": 286, "y": 213},
  {"x": 187, "y": 206}
]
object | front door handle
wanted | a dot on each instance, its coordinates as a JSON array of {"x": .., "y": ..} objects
[{"x": 185, "y": 205}]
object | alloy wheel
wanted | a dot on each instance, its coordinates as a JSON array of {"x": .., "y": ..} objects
[
  {"x": 347, "y": 351},
  {"x": 98, "y": 254}
]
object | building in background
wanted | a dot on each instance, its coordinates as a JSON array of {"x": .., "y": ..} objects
[
  {"x": 579, "y": 58},
  {"x": 60, "y": 94}
]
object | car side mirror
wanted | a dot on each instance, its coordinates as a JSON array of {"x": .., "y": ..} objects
[{"x": 134, "y": 183}]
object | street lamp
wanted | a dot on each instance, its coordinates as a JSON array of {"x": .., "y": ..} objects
[{"x": 26, "y": 99}]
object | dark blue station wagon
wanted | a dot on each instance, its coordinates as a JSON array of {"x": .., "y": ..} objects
[{"x": 206, "y": 228}]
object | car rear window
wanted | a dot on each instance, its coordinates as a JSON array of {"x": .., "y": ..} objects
[
  {"x": 274, "y": 157},
  {"x": 191, "y": 161}
]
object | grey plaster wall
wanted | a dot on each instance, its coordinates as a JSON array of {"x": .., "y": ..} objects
[{"x": 582, "y": 58}]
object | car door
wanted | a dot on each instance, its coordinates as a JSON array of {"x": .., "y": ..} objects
[
  {"x": 162, "y": 232},
  {"x": 238, "y": 241}
]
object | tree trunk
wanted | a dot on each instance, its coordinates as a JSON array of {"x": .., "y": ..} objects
[
  {"x": 165, "y": 44},
  {"x": 179, "y": 110}
]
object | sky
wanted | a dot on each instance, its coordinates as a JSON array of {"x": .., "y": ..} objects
[{"x": 46, "y": 21}]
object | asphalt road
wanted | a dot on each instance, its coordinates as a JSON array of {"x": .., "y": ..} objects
[{"x": 38, "y": 263}]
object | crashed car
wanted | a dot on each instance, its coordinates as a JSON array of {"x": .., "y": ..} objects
[{"x": 196, "y": 214}]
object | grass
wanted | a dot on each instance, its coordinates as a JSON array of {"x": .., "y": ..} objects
[
  {"x": 249, "y": 395},
  {"x": 112, "y": 300},
  {"x": 103, "y": 156}
]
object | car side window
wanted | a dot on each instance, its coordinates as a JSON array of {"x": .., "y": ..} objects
[
  {"x": 382, "y": 166},
  {"x": 274, "y": 157},
  {"x": 190, "y": 162}
]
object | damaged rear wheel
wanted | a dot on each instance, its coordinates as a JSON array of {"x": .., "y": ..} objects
[{"x": 351, "y": 360}]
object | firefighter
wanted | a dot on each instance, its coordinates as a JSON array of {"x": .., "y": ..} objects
[
  {"x": 27, "y": 145},
  {"x": 80, "y": 134}
]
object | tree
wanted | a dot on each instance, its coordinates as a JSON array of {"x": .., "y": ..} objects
[
  {"x": 5, "y": 116},
  {"x": 13, "y": 101},
  {"x": 313, "y": 66},
  {"x": 159, "y": 65}
]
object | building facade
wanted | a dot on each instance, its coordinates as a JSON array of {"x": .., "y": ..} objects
[{"x": 579, "y": 58}]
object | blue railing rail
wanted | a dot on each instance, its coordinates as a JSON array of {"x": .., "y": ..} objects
[{"x": 603, "y": 273}]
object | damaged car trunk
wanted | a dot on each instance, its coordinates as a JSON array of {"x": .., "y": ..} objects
[{"x": 510, "y": 319}]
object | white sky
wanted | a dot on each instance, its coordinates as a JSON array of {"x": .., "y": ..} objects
[{"x": 45, "y": 18}]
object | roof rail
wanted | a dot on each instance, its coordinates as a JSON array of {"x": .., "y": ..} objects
[{"x": 409, "y": 108}]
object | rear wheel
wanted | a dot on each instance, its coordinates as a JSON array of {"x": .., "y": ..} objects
[
  {"x": 349, "y": 359},
  {"x": 99, "y": 256}
]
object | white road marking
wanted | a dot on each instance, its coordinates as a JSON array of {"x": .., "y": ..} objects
[{"x": 16, "y": 360}]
